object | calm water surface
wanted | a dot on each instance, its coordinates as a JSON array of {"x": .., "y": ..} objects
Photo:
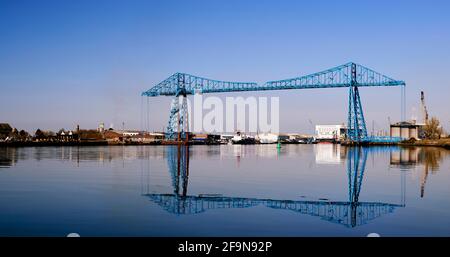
[{"x": 228, "y": 190}]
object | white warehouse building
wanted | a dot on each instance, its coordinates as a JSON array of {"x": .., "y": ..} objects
[{"x": 330, "y": 132}]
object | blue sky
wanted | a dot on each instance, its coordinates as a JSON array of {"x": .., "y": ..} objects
[{"x": 64, "y": 63}]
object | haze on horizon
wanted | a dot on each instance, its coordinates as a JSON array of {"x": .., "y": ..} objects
[{"x": 64, "y": 63}]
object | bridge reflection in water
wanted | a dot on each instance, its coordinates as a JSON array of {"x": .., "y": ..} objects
[{"x": 349, "y": 213}]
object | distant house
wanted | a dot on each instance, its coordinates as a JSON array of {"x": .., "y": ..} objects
[
  {"x": 67, "y": 136},
  {"x": 154, "y": 137},
  {"x": 205, "y": 138},
  {"x": 147, "y": 137},
  {"x": 128, "y": 133},
  {"x": 5, "y": 130},
  {"x": 44, "y": 136}
]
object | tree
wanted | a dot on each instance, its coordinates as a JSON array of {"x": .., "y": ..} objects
[
  {"x": 432, "y": 129},
  {"x": 14, "y": 134},
  {"x": 23, "y": 134},
  {"x": 39, "y": 134}
]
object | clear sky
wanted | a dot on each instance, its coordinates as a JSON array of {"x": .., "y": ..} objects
[{"x": 65, "y": 62}]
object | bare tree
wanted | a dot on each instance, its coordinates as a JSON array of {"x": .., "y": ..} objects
[{"x": 432, "y": 130}]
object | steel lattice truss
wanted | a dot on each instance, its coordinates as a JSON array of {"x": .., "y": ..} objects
[
  {"x": 192, "y": 84},
  {"x": 349, "y": 75},
  {"x": 340, "y": 76}
]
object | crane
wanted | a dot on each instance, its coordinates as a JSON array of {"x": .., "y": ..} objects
[{"x": 423, "y": 108}]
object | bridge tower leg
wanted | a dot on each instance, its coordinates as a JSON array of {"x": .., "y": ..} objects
[
  {"x": 178, "y": 125},
  {"x": 356, "y": 128}
]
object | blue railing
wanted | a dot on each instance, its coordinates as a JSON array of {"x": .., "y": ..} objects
[{"x": 382, "y": 139}]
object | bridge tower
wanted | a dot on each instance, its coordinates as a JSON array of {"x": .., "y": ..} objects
[
  {"x": 178, "y": 125},
  {"x": 356, "y": 127}
]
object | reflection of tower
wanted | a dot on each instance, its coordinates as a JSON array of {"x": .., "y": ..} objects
[
  {"x": 178, "y": 162},
  {"x": 356, "y": 164}
]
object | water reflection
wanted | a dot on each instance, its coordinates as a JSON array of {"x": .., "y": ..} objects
[
  {"x": 349, "y": 213},
  {"x": 8, "y": 157},
  {"x": 329, "y": 154},
  {"x": 429, "y": 158},
  {"x": 425, "y": 160}
]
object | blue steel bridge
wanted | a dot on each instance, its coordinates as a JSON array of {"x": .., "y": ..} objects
[
  {"x": 349, "y": 75},
  {"x": 350, "y": 213}
]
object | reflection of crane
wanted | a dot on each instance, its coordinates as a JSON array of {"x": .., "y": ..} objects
[
  {"x": 349, "y": 213},
  {"x": 423, "y": 180}
]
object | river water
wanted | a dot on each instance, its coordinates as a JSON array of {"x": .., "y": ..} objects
[{"x": 226, "y": 190}]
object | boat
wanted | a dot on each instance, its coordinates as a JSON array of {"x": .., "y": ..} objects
[
  {"x": 241, "y": 139},
  {"x": 267, "y": 138}
]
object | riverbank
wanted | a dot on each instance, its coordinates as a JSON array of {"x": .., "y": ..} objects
[
  {"x": 73, "y": 143},
  {"x": 34, "y": 143},
  {"x": 443, "y": 142}
]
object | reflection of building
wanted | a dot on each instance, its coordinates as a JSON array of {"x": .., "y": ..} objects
[
  {"x": 411, "y": 157},
  {"x": 328, "y": 153},
  {"x": 404, "y": 157},
  {"x": 330, "y": 132}
]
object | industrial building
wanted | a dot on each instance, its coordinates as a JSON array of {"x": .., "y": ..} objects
[
  {"x": 411, "y": 129},
  {"x": 407, "y": 130},
  {"x": 330, "y": 132}
]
